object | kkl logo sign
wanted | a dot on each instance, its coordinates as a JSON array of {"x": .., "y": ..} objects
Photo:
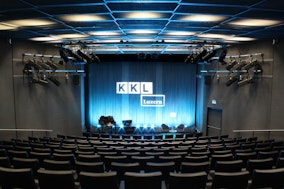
[{"x": 145, "y": 89}]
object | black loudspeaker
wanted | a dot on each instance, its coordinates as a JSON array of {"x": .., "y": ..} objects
[
  {"x": 76, "y": 79},
  {"x": 208, "y": 79}
]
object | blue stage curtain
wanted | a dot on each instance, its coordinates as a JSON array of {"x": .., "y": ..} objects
[{"x": 175, "y": 80}]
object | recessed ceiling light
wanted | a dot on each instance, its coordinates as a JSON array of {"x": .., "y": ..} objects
[
  {"x": 5, "y": 26},
  {"x": 141, "y": 40},
  {"x": 82, "y": 18},
  {"x": 215, "y": 36},
  {"x": 100, "y": 33},
  {"x": 49, "y": 38},
  {"x": 203, "y": 18},
  {"x": 30, "y": 22},
  {"x": 180, "y": 33},
  {"x": 255, "y": 22},
  {"x": 142, "y": 15},
  {"x": 71, "y": 35},
  {"x": 241, "y": 39},
  {"x": 142, "y": 31}
]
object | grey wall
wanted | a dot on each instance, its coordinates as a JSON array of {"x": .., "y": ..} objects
[
  {"x": 34, "y": 106},
  {"x": 253, "y": 106}
]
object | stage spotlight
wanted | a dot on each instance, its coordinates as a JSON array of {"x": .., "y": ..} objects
[
  {"x": 231, "y": 64},
  {"x": 51, "y": 64},
  {"x": 199, "y": 56},
  {"x": 95, "y": 58},
  {"x": 54, "y": 80},
  {"x": 64, "y": 54},
  {"x": 250, "y": 64},
  {"x": 85, "y": 56},
  {"x": 245, "y": 81},
  {"x": 209, "y": 55},
  {"x": 239, "y": 65},
  {"x": 232, "y": 79},
  {"x": 189, "y": 59},
  {"x": 258, "y": 68},
  {"x": 222, "y": 57}
]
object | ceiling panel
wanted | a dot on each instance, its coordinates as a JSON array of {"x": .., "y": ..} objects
[{"x": 162, "y": 16}]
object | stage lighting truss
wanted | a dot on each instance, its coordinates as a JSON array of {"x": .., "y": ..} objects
[
  {"x": 241, "y": 69},
  {"x": 42, "y": 69},
  {"x": 202, "y": 57}
]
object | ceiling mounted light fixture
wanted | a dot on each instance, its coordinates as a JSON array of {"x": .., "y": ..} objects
[
  {"x": 254, "y": 22},
  {"x": 143, "y": 15},
  {"x": 30, "y": 22},
  {"x": 82, "y": 18},
  {"x": 203, "y": 18}
]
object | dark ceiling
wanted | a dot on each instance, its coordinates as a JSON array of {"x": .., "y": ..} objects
[{"x": 163, "y": 26}]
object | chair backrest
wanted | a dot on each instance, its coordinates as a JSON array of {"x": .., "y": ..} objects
[
  {"x": 192, "y": 159},
  {"x": 56, "y": 165},
  {"x": 268, "y": 178},
  {"x": 121, "y": 168},
  {"x": 229, "y": 166},
  {"x": 187, "y": 180},
  {"x": 164, "y": 167},
  {"x": 89, "y": 158},
  {"x": 280, "y": 162},
  {"x": 193, "y": 167},
  {"x": 5, "y": 162},
  {"x": 32, "y": 163},
  {"x": 233, "y": 180},
  {"x": 17, "y": 178},
  {"x": 149, "y": 180},
  {"x": 55, "y": 179},
  {"x": 220, "y": 157},
  {"x": 253, "y": 164},
  {"x": 95, "y": 167},
  {"x": 105, "y": 180}
]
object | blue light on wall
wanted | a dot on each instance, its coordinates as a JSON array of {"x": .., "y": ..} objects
[{"x": 176, "y": 81}]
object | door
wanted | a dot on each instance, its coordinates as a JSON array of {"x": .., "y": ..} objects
[{"x": 214, "y": 122}]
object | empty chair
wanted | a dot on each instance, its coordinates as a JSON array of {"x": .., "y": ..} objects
[
  {"x": 109, "y": 159},
  {"x": 229, "y": 166},
  {"x": 267, "y": 154},
  {"x": 17, "y": 153},
  {"x": 95, "y": 167},
  {"x": 40, "y": 156},
  {"x": 196, "y": 158},
  {"x": 89, "y": 158},
  {"x": 17, "y": 178},
  {"x": 176, "y": 159},
  {"x": 280, "y": 162},
  {"x": 164, "y": 167},
  {"x": 56, "y": 165},
  {"x": 105, "y": 180},
  {"x": 142, "y": 160},
  {"x": 55, "y": 179},
  {"x": 121, "y": 168},
  {"x": 31, "y": 163},
  {"x": 65, "y": 157},
  {"x": 194, "y": 167},
  {"x": 220, "y": 157},
  {"x": 253, "y": 164},
  {"x": 151, "y": 180},
  {"x": 245, "y": 156},
  {"x": 5, "y": 162},
  {"x": 187, "y": 180},
  {"x": 272, "y": 178},
  {"x": 230, "y": 180}
]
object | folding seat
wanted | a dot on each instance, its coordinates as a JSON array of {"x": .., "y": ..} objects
[
  {"x": 64, "y": 157},
  {"x": 151, "y": 180},
  {"x": 253, "y": 164},
  {"x": 164, "y": 167},
  {"x": 16, "y": 153},
  {"x": 105, "y": 180},
  {"x": 230, "y": 180},
  {"x": 31, "y": 163},
  {"x": 121, "y": 168},
  {"x": 176, "y": 159},
  {"x": 56, "y": 179},
  {"x": 220, "y": 157},
  {"x": 268, "y": 178},
  {"x": 245, "y": 156},
  {"x": 40, "y": 156},
  {"x": 187, "y": 180},
  {"x": 56, "y": 165},
  {"x": 267, "y": 154},
  {"x": 3, "y": 152},
  {"x": 17, "y": 178},
  {"x": 94, "y": 167},
  {"x": 203, "y": 158},
  {"x": 89, "y": 158},
  {"x": 280, "y": 162},
  {"x": 5, "y": 162},
  {"x": 228, "y": 166},
  {"x": 142, "y": 160},
  {"x": 194, "y": 167},
  {"x": 109, "y": 159}
]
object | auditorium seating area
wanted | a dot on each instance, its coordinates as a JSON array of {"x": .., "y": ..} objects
[{"x": 112, "y": 162}]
